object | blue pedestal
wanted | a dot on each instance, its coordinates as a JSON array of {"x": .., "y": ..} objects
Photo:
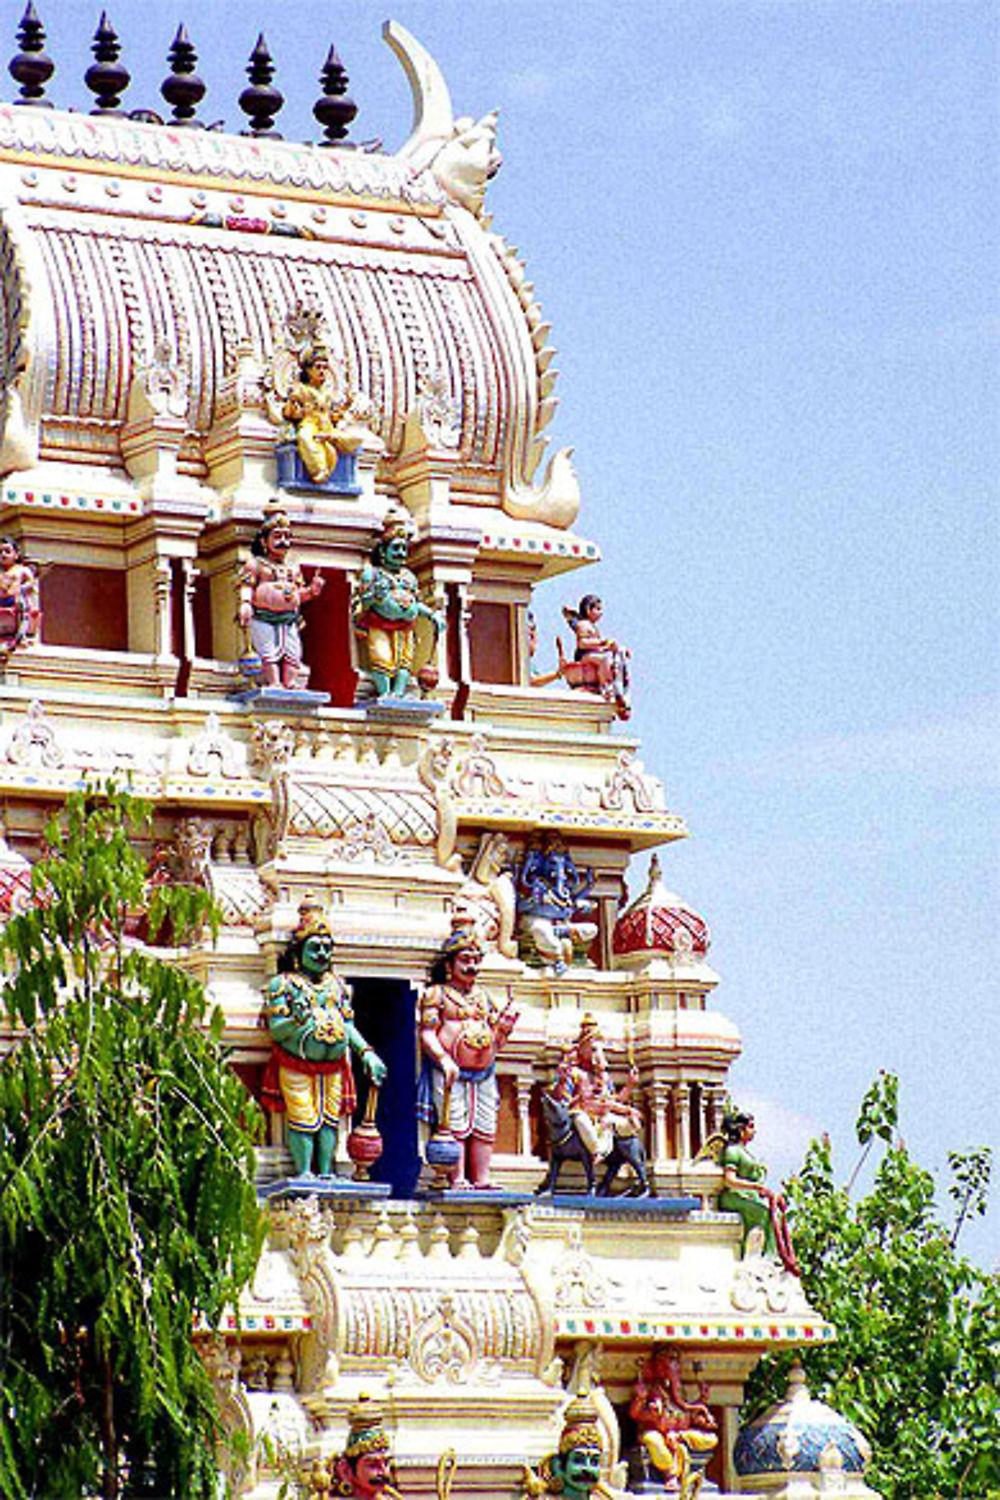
[
  {"x": 281, "y": 700},
  {"x": 340, "y": 1188},
  {"x": 293, "y": 475},
  {"x": 651, "y": 1208},
  {"x": 392, "y": 710}
]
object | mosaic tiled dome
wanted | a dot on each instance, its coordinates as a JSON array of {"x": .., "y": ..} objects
[
  {"x": 660, "y": 922},
  {"x": 799, "y": 1435}
]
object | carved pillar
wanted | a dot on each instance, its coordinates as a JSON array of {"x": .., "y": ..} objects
[
  {"x": 523, "y": 1086},
  {"x": 189, "y": 579},
  {"x": 713, "y": 1108},
  {"x": 162, "y": 632},
  {"x": 659, "y": 1094},
  {"x": 682, "y": 1116},
  {"x": 464, "y": 652}
]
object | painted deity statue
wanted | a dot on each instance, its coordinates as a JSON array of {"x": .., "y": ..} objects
[
  {"x": 272, "y": 591},
  {"x": 365, "y": 1468},
  {"x": 312, "y": 407},
  {"x": 574, "y": 1471},
  {"x": 599, "y": 665},
  {"x": 677, "y": 1435},
  {"x": 603, "y": 1117},
  {"x": 310, "y": 1019},
  {"x": 19, "y": 610},
  {"x": 745, "y": 1192},
  {"x": 387, "y": 605},
  {"x": 461, "y": 1032},
  {"x": 553, "y": 905}
]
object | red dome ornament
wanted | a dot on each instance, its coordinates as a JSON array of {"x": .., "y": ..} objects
[{"x": 660, "y": 922}]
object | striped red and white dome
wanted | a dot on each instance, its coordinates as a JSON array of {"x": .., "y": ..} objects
[{"x": 661, "y": 922}]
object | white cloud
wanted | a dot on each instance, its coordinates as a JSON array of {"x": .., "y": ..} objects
[
  {"x": 961, "y": 751},
  {"x": 782, "y": 1137}
]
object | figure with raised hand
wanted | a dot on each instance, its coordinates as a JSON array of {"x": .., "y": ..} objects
[
  {"x": 310, "y": 1018},
  {"x": 461, "y": 1031},
  {"x": 387, "y": 605},
  {"x": 591, "y": 1121},
  {"x": 272, "y": 591}
]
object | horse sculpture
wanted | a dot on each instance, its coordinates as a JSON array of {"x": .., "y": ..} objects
[{"x": 566, "y": 1144}]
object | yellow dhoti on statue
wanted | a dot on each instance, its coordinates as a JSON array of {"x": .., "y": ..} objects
[
  {"x": 390, "y": 650},
  {"x": 312, "y": 1099}
]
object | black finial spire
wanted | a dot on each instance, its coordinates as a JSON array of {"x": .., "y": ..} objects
[
  {"x": 182, "y": 88},
  {"x": 106, "y": 77},
  {"x": 32, "y": 67},
  {"x": 260, "y": 102},
  {"x": 334, "y": 109}
]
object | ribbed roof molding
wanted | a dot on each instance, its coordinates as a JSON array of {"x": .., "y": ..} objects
[{"x": 120, "y": 239}]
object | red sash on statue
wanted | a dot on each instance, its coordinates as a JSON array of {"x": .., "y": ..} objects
[{"x": 271, "y": 1095}]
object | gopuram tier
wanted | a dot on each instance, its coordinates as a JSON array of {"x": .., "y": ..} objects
[{"x": 275, "y": 505}]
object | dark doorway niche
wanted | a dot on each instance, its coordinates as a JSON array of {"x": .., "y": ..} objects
[{"x": 385, "y": 1014}]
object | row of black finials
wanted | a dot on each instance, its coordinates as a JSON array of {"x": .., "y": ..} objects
[{"x": 107, "y": 79}]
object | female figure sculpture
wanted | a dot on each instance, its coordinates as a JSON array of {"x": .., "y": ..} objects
[{"x": 746, "y": 1194}]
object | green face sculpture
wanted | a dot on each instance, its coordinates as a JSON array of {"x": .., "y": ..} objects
[
  {"x": 395, "y": 552},
  {"x": 317, "y": 955},
  {"x": 579, "y": 1469}
]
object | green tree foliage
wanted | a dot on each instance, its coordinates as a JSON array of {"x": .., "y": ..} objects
[
  {"x": 127, "y": 1210},
  {"x": 916, "y": 1364}
]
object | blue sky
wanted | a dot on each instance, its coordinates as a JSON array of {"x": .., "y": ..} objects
[{"x": 766, "y": 236}]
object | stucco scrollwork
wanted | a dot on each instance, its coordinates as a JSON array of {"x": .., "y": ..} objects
[{"x": 444, "y": 1346}]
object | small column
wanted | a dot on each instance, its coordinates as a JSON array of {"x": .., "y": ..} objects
[
  {"x": 659, "y": 1095},
  {"x": 163, "y": 633},
  {"x": 713, "y": 1108},
  {"x": 523, "y": 1086},
  {"x": 682, "y": 1115},
  {"x": 189, "y": 575}
]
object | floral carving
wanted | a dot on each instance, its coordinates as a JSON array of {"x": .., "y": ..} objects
[{"x": 444, "y": 1346}]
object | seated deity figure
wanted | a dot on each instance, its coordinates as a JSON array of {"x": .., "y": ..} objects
[
  {"x": 461, "y": 1031},
  {"x": 313, "y": 409},
  {"x": 599, "y": 1111},
  {"x": 552, "y": 903},
  {"x": 600, "y": 665},
  {"x": 19, "y": 610},
  {"x": 574, "y": 1471},
  {"x": 677, "y": 1435},
  {"x": 387, "y": 605},
  {"x": 309, "y": 1016},
  {"x": 271, "y": 594}
]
